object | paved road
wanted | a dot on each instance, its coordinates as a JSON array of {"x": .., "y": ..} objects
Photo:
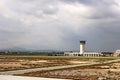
[
  {"x": 9, "y": 77},
  {"x": 52, "y": 68}
]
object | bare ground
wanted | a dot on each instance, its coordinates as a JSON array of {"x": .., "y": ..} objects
[
  {"x": 9, "y": 63},
  {"x": 96, "y": 72}
]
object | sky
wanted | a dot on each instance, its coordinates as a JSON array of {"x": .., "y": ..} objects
[{"x": 60, "y": 24}]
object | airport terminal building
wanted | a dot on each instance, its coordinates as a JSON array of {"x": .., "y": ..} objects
[{"x": 83, "y": 52}]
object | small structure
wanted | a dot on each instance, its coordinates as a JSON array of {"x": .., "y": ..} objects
[
  {"x": 107, "y": 54},
  {"x": 117, "y": 53}
]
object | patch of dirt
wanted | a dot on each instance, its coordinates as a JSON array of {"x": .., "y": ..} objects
[{"x": 79, "y": 62}]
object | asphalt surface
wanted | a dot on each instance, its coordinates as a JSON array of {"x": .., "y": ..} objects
[{"x": 9, "y": 77}]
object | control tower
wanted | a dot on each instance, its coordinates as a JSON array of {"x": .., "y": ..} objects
[{"x": 82, "y": 47}]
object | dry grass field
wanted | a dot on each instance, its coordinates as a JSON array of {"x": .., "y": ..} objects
[
  {"x": 96, "y": 72},
  {"x": 8, "y": 63}
]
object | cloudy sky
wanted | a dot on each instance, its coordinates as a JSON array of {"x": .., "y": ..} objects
[{"x": 60, "y": 24}]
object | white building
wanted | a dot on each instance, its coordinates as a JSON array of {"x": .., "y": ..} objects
[
  {"x": 82, "y": 52},
  {"x": 92, "y": 54},
  {"x": 117, "y": 53}
]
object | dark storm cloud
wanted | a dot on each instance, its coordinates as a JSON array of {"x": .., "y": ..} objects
[
  {"x": 103, "y": 37},
  {"x": 10, "y": 35},
  {"x": 60, "y": 24},
  {"x": 92, "y": 2}
]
